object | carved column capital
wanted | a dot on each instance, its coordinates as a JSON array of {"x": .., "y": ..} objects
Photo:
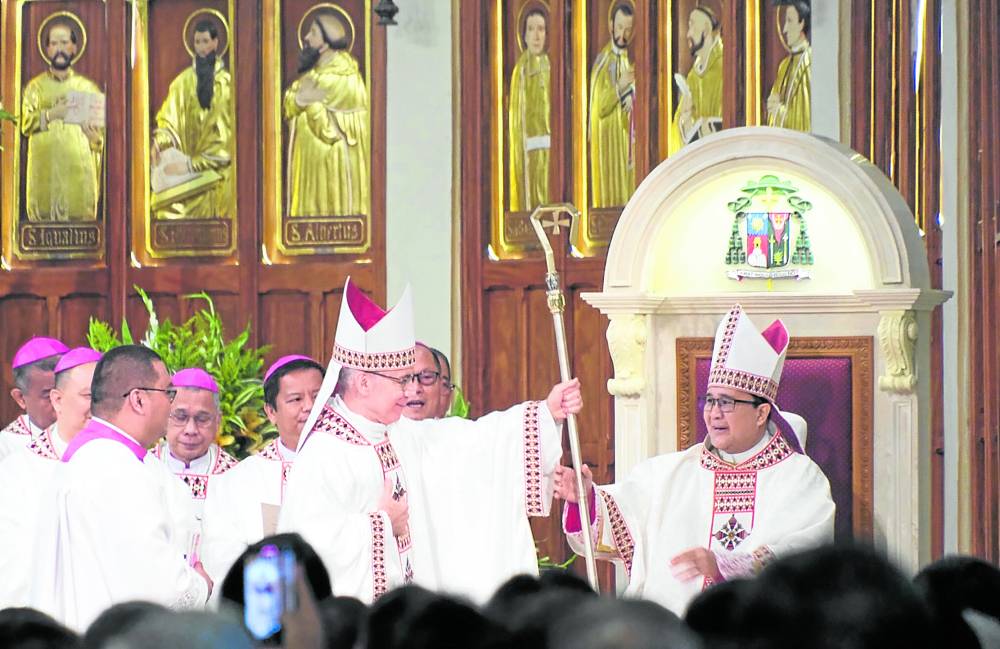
[
  {"x": 897, "y": 338},
  {"x": 627, "y": 343}
]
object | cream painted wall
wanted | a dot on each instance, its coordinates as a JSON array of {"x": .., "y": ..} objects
[{"x": 419, "y": 166}]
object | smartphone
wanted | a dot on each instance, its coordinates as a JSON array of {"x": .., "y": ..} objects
[{"x": 268, "y": 591}]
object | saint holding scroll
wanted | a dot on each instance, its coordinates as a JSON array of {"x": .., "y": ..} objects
[{"x": 62, "y": 115}]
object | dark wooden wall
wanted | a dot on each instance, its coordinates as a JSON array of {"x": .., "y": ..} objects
[
  {"x": 895, "y": 120},
  {"x": 984, "y": 284},
  {"x": 292, "y": 306}
]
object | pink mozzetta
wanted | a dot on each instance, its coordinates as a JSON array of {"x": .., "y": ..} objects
[
  {"x": 76, "y": 357},
  {"x": 285, "y": 360},
  {"x": 36, "y": 349},
  {"x": 195, "y": 377}
]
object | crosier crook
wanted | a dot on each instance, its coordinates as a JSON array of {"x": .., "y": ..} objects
[{"x": 557, "y": 303}]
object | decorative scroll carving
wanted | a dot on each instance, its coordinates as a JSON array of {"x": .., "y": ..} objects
[
  {"x": 627, "y": 343},
  {"x": 897, "y": 338}
]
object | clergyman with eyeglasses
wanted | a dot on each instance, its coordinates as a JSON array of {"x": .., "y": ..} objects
[
  {"x": 189, "y": 449},
  {"x": 110, "y": 534},
  {"x": 430, "y": 384},
  {"x": 726, "y": 507},
  {"x": 387, "y": 500}
]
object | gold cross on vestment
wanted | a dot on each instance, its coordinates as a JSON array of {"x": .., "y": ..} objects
[{"x": 556, "y": 223}]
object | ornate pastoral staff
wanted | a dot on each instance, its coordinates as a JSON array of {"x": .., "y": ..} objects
[{"x": 557, "y": 303}]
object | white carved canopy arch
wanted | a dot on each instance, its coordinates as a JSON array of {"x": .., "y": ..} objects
[{"x": 665, "y": 278}]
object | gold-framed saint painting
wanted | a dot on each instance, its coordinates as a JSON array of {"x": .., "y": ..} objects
[
  {"x": 528, "y": 64},
  {"x": 786, "y": 89},
  {"x": 317, "y": 127},
  {"x": 183, "y": 129},
  {"x": 606, "y": 140},
  {"x": 691, "y": 83},
  {"x": 54, "y": 78}
]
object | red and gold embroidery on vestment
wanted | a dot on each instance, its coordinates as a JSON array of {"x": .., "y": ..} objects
[
  {"x": 18, "y": 427},
  {"x": 734, "y": 501},
  {"x": 332, "y": 423},
  {"x": 380, "y": 583},
  {"x": 43, "y": 447},
  {"x": 374, "y": 362},
  {"x": 623, "y": 539},
  {"x": 532, "y": 461},
  {"x": 271, "y": 452}
]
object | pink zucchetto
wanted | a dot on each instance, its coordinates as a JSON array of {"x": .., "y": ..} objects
[
  {"x": 76, "y": 357},
  {"x": 36, "y": 349},
  {"x": 195, "y": 377},
  {"x": 285, "y": 360}
]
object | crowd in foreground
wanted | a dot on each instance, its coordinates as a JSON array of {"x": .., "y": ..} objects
[
  {"x": 362, "y": 499},
  {"x": 836, "y": 597}
]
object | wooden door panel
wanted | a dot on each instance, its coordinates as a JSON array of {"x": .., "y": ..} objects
[
  {"x": 75, "y": 312},
  {"x": 541, "y": 365},
  {"x": 504, "y": 377},
  {"x": 286, "y": 322},
  {"x": 22, "y": 317}
]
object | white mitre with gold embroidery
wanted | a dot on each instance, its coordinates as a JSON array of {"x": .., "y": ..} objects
[
  {"x": 750, "y": 360},
  {"x": 368, "y": 339}
]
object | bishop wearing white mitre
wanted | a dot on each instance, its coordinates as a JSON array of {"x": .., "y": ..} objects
[
  {"x": 722, "y": 508},
  {"x": 443, "y": 503}
]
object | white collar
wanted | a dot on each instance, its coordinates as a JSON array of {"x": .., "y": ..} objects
[
  {"x": 108, "y": 424},
  {"x": 200, "y": 465},
  {"x": 740, "y": 458},
  {"x": 32, "y": 426},
  {"x": 373, "y": 431},
  {"x": 58, "y": 443},
  {"x": 617, "y": 50},
  {"x": 287, "y": 454}
]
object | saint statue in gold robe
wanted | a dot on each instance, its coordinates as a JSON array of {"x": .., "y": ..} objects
[
  {"x": 195, "y": 125},
  {"x": 328, "y": 126},
  {"x": 699, "y": 111},
  {"x": 530, "y": 131},
  {"x": 62, "y": 115},
  {"x": 611, "y": 129},
  {"x": 788, "y": 105}
]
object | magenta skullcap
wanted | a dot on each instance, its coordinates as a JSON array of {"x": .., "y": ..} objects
[
  {"x": 195, "y": 377},
  {"x": 285, "y": 360},
  {"x": 76, "y": 357},
  {"x": 36, "y": 349}
]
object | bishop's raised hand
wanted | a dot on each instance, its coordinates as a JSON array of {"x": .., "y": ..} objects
[{"x": 565, "y": 399}]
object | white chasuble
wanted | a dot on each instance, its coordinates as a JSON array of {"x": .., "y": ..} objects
[
  {"x": 242, "y": 507},
  {"x": 24, "y": 476},
  {"x": 773, "y": 503},
  {"x": 18, "y": 434},
  {"x": 196, "y": 476},
  {"x": 470, "y": 487},
  {"x": 113, "y": 532}
]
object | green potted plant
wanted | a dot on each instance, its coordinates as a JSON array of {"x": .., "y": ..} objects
[{"x": 200, "y": 342}]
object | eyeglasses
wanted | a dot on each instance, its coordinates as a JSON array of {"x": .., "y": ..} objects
[
  {"x": 726, "y": 404},
  {"x": 169, "y": 392},
  {"x": 447, "y": 384},
  {"x": 180, "y": 418},
  {"x": 426, "y": 378}
]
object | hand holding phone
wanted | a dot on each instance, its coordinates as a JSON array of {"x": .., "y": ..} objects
[{"x": 268, "y": 592}]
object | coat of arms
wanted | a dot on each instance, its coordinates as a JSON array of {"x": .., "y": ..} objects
[{"x": 766, "y": 219}]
